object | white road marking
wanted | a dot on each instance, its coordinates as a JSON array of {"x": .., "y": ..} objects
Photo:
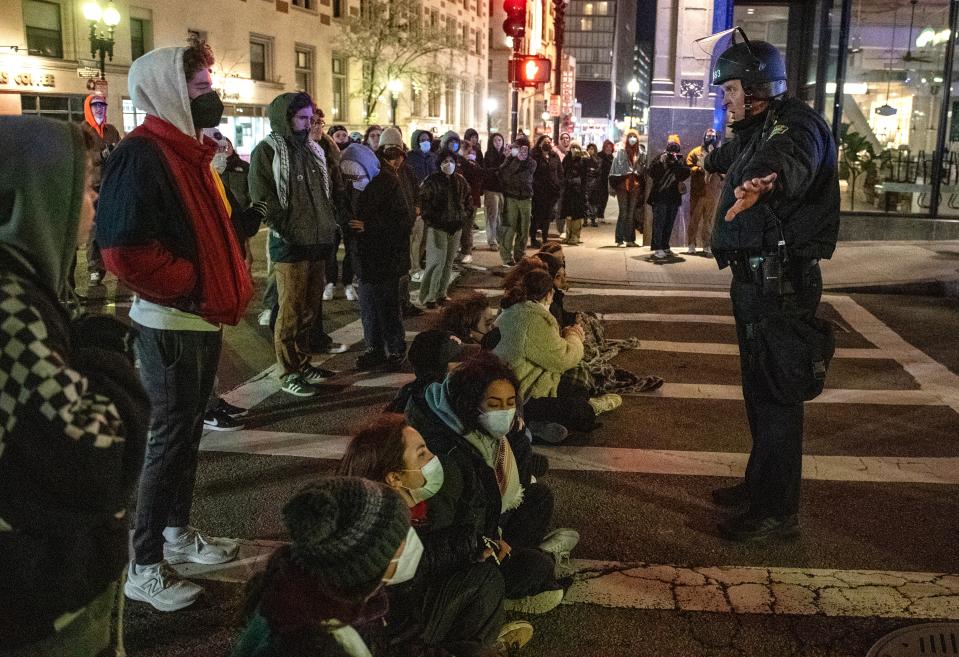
[
  {"x": 879, "y": 469},
  {"x": 828, "y": 396},
  {"x": 661, "y": 317}
]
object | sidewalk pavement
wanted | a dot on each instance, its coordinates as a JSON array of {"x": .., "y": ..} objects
[{"x": 930, "y": 267}]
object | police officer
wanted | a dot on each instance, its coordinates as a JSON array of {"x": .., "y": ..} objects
[{"x": 777, "y": 216}]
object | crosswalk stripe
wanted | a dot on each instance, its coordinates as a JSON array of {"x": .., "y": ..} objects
[
  {"x": 661, "y": 317},
  {"x": 879, "y": 469},
  {"x": 715, "y": 589},
  {"x": 828, "y": 396},
  {"x": 728, "y": 349}
]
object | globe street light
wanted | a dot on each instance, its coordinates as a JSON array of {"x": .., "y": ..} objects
[
  {"x": 101, "y": 45},
  {"x": 490, "y": 106},
  {"x": 633, "y": 89},
  {"x": 394, "y": 86}
]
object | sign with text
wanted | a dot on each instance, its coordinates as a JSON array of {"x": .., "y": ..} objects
[{"x": 27, "y": 79}]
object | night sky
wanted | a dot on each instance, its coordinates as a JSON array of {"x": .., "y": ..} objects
[{"x": 645, "y": 19}]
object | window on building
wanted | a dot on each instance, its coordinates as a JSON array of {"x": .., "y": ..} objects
[
  {"x": 44, "y": 33},
  {"x": 465, "y": 44},
  {"x": 434, "y": 97},
  {"x": 340, "y": 95},
  {"x": 260, "y": 58},
  {"x": 585, "y": 24},
  {"x": 588, "y": 9},
  {"x": 304, "y": 4},
  {"x": 602, "y": 8},
  {"x": 61, "y": 108},
  {"x": 337, "y": 8},
  {"x": 139, "y": 30},
  {"x": 479, "y": 42},
  {"x": 304, "y": 69},
  {"x": 132, "y": 117},
  {"x": 450, "y": 100},
  {"x": 196, "y": 35}
]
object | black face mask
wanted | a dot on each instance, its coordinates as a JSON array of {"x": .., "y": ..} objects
[
  {"x": 207, "y": 110},
  {"x": 672, "y": 148}
]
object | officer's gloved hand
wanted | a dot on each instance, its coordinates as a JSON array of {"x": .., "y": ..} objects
[{"x": 260, "y": 208}]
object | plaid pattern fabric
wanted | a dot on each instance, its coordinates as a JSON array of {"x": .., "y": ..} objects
[{"x": 32, "y": 375}]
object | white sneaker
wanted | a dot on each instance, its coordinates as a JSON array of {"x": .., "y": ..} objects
[
  {"x": 194, "y": 547},
  {"x": 559, "y": 543},
  {"x": 337, "y": 348},
  {"x": 467, "y": 259},
  {"x": 512, "y": 637},
  {"x": 660, "y": 255},
  {"x": 351, "y": 293},
  {"x": 605, "y": 403},
  {"x": 691, "y": 250},
  {"x": 264, "y": 318},
  {"x": 417, "y": 276},
  {"x": 160, "y": 586},
  {"x": 328, "y": 292},
  {"x": 562, "y": 235},
  {"x": 621, "y": 245}
]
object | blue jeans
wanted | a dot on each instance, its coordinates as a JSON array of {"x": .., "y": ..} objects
[
  {"x": 664, "y": 216},
  {"x": 177, "y": 369},
  {"x": 382, "y": 317}
]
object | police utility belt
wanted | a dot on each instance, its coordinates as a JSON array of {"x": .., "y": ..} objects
[{"x": 772, "y": 271}]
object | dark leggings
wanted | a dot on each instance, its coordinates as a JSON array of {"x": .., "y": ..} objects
[
  {"x": 570, "y": 407},
  {"x": 528, "y": 570}
]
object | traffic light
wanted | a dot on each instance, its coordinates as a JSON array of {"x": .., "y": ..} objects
[
  {"x": 515, "y": 23},
  {"x": 530, "y": 70}
]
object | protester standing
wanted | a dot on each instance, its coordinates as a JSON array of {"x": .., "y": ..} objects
[
  {"x": 704, "y": 190},
  {"x": 627, "y": 175},
  {"x": 668, "y": 172},
  {"x": 600, "y": 194},
  {"x": 547, "y": 186},
  {"x": 105, "y": 138},
  {"x": 446, "y": 205},
  {"x": 493, "y": 196},
  {"x": 166, "y": 232},
  {"x": 421, "y": 162},
  {"x": 575, "y": 176},
  {"x": 471, "y": 168},
  {"x": 516, "y": 174}
]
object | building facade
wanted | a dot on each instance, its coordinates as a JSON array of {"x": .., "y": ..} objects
[
  {"x": 601, "y": 35},
  {"x": 263, "y": 48}
]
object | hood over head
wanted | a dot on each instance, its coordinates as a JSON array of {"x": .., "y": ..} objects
[
  {"x": 88, "y": 113},
  {"x": 447, "y": 138},
  {"x": 157, "y": 85},
  {"x": 415, "y": 139},
  {"x": 280, "y": 113},
  {"x": 42, "y": 183},
  {"x": 358, "y": 161}
]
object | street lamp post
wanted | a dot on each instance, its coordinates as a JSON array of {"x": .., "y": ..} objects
[
  {"x": 633, "y": 89},
  {"x": 490, "y": 106},
  {"x": 101, "y": 44},
  {"x": 546, "y": 116},
  {"x": 395, "y": 87}
]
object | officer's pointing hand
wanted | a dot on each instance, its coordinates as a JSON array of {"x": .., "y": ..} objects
[{"x": 749, "y": 192}]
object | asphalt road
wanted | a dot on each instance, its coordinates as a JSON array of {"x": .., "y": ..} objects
[{"x": 650, "y": 514}]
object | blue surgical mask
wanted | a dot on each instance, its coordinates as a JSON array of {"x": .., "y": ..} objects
[
  {"x": 425, "y": 146},
  {"x": 497, "y": 423},
  {"x": 455, "y": 147}
]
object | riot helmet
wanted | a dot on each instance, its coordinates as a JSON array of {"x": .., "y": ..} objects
[{"x": 757, "y": 64}]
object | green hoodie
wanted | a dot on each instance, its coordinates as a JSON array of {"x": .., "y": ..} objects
[
  {"x": 303, "y": 224},
  {"x": 42, "y": 178}
]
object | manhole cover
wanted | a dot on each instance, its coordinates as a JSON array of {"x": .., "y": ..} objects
[{"x": 919, "y": 640}]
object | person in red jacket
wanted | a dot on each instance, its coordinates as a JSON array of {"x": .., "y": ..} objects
[{"x": 167, "y": 231}]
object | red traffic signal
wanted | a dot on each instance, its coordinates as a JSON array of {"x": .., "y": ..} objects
[
  {"x": 530, "y": 70},
  {"x": 515, "y": 23}
]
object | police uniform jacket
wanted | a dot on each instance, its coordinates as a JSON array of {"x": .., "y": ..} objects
[{"x": 793, "y": 141}]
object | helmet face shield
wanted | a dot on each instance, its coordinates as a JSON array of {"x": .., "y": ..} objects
[{"x": 751, "y": 62}]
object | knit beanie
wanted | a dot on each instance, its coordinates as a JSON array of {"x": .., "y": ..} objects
[
  {"x": 358, "y": 161},
  {"x": 674, "y": 138},
  {"x": 391, "y": 137},
  {"x": 346, "y": 530},
  {"x": 432, "y": 351}
]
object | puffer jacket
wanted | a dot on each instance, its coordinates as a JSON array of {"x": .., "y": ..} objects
[
  {"x": 516, "y": 175},
  {"x": 446, "y": 203}
]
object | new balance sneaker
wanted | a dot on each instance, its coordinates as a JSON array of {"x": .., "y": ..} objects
[
  {"x": 296, "y": 385},
  {"x": 659, "y": 254},
  {"x": 160, "y": 586},
  {"x": 263, "y": 319},
  {"x": 535, "y": 604},
  {"x": 230, "y": 409},
  {"x": 605, "y": 403},
  {"x": 96, "y": 278},
  {"x": 351, "y": 294},
  {"x": 512, "y": 637},
  {"x": 218, "y": 420},
  {"x": 691, "y": 250},
  {"x": 337, "y": 348},
  {"x": 194, "y": 547},
  {"x": 313, "y": 374}
]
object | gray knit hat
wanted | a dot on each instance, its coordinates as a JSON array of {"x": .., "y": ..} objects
[
  {"x": 391, "y": 137},
  {"x": 346, "y": 530}
]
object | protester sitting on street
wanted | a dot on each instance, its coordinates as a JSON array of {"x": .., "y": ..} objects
[
  {"x": 516, "y": 175},
  {"x": 547, "y": 187},
  {"x": 167, "y": 232},
  {"x": 469, "y": 420},
  {"x": 446, "y": 205},
  {"x": 289, "y": 172},
  {"x": 575, "y": 178},
  {"x": 350, "y": 537},
  {"x": 455, "y": 600},
  {"x": 73, "y": 414},
  {"x": 467, "y": 315},
  {"x": 385, "y": 212},
  {"x": 532, "y": 344},
  {"x": 432, "y": 354}
]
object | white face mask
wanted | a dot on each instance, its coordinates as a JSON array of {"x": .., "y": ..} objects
[
  {"x": 433, "y": 473},
  {"x": 514, "y": 152},
  {"x": 407, "y": 562},
  {"x": 448, "y": 168},
  {"x": 632, "y": 141},
  {"x": 497, "y": 423},
  {"x": 471, "y": 157},
  {"x": 219, "y": 162}
]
